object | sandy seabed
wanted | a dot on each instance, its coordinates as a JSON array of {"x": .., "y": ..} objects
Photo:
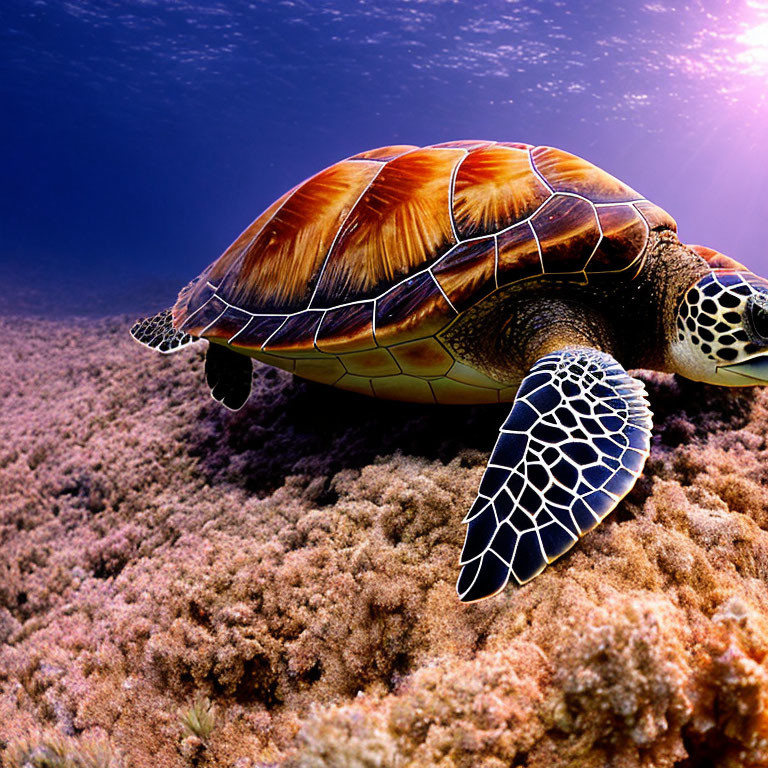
[{"x": 295, "y": 564}]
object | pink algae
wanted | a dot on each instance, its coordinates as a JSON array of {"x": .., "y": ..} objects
[{"x": 295, "y": 563}]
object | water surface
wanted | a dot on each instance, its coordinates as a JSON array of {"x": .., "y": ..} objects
[{"x": 141, "y": 137}]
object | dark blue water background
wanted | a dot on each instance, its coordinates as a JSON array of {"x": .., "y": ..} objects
[{"x": 138, "y": 138}]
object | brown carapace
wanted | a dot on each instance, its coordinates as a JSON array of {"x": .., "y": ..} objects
[{"x": 353, "y": 276}]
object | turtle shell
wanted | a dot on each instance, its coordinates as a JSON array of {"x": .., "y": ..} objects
[
  {"x": 717, "y": 260},
  {"x": 387, "y": 247}
]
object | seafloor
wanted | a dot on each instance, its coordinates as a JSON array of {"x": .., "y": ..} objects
[{"x": 295, "y": 563}]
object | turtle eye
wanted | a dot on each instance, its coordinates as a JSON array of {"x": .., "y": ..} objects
[{"x": 757, "y": 314}]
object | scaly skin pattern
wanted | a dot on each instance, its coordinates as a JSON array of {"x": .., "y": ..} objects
[{"x": 423, "y": 274}]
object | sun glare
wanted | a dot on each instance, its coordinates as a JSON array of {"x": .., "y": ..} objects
[{"x": 755, "y": 53}]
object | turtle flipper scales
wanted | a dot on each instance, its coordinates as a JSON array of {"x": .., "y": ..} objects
[
  {"x": 572, "y": 447},
  {"x": 157, "y": 332},
  {"x": 228, "y": 374}
]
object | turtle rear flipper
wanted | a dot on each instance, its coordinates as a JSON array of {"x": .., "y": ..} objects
[
  {"x": 228, "y": 375},
  {"x": 157, "y": 332}
]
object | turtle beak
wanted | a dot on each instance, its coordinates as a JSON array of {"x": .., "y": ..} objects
[{"x": 754, "y": 371}]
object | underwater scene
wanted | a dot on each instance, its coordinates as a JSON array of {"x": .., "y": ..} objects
[{"x": 383, "y": 384}]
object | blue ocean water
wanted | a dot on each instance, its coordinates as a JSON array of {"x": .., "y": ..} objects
[{"x": 140, "y": 137}]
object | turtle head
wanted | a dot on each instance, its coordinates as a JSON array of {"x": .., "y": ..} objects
[{"x": 721, "y": 331}]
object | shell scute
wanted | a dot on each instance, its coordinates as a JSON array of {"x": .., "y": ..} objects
[
  {"x": 424, "y": 357},
  {"x": 347, "y": 329},
  {"x": 228, "y": 324},
  {"x": 413, "y": 309},
  {"x": 717, "y": 260},
  {"x": 518, "y": 255},
  {"x": 277, "y": 270},
  {"x": 468, "y": 272},
  {"x": 565, "y": 172},
  {"x": 383, "y": 154},
  {"x": 515, "y": 145},
  {"x": 495, "y": 188},
  {"x": 567, "y": 231},
  {"x": 371, "y": 363},
  {"x": 278, "y": 361},
  {"x": 326, "y": 370},
  {"x": 464, "y": 374},
  {"x": 463, "y": 144},
  {"x": 401, "y": 222},
  {"x": 204, "y": 316},
  {"x": 353, "y": 383},
  {"x": 413, "y": 389},
  {"x": 625, "y": 235},
  {"x": 257, "y": 331},
  {"x": 656, "y": 217},
  {"x": 222, "y": 265},
  {"x": 296, "y": 335}
]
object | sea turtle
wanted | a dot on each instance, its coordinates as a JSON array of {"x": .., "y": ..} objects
[{"x": 483, "y": 272}]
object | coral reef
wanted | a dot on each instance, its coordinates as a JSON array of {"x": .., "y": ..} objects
[{"x": 181, "y": 585}]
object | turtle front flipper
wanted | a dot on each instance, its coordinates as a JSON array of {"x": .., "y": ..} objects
[
  {"x": 228, "y": 375},
  {"x": 572, "y": 447}
]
